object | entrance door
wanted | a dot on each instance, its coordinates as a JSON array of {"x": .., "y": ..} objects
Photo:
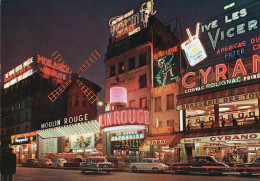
[{"x": 189, "y": 152}]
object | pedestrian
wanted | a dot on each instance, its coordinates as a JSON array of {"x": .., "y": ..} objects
[
  {"x": 223, "y": 122},
  {"x": 256, "y": 120},
  {"x": 189, "y": 125},
  {"x": 234, "y": 121},
  {"x": 202, "y": 124},
  {"x": 212, "y": 123}
]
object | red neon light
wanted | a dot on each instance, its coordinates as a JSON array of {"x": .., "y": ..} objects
[
  {"x": 184, "y": 80},
  {"x": 221, "y": 74},
  {"x": 205, "y": 74},
  {"x": 239, "y": 68},
  {"x": 256, "y": 59},
  {"x": 133, "y": 116}
]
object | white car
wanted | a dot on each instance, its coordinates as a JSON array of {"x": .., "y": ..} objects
[
  {"x": 149, "y": 164},
  {"x": 59, "y": 162}
]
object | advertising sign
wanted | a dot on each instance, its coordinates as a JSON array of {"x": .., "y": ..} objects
[
  {"x": 165, "y": 69},
  {"x": 82, "y": 141},
  {"x": 131, "y": 22}
]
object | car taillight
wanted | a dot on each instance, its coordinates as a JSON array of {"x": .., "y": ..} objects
[
  {"x": 97, "y": 165},
  {"x": 113, "y": 164}
]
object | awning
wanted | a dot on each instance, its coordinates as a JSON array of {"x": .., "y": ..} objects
[
  {"x": 168, "y": 140},
  {"x": 73, "y": 129},
  {"x": 202, "y": 100}
]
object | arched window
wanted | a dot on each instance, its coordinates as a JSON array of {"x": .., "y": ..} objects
[
  {"x": 84, "y": 103},
  {"x": 77, "y": 103}
]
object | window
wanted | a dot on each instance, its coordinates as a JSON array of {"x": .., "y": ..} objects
[
  {"x": 143, "y": 102},
  {"x": 26, "y": 116},
  {"x": 170, "y": 101},
  {"x": 77, "y": 103},
  {"x": 132, "y": 103},
  {"x": 121, "y": 67},
  {"x": 170, "y": 123},
  {"x": 142, "y": 81},
  {"x": 142, "y": 59},
  {"x": 18, "y": 117},
  {"x": 112, "y": 71},
  {"x": 131, "y": 63},
  {"x": 157, "y": 106},
  {"x": 84, "y": 103},
  {"x": 70, "y": 104}
]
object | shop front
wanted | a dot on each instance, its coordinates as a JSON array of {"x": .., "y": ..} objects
[
  {"x": 24, "y": 146},
  {"x": 228, "y": 148},
  {"x": 69, "y": 141},
  {"x": 124, "y": 130}
]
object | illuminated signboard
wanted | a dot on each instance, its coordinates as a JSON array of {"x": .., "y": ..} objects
[
  {"x": 65, "y": 121},
  {"x": 165, "y": 68},
  {"x": 118, "y": 95},
  {"x": 23, "y": 140},
  {"x": 193, "y": 48},
  {"x": 231, "y": 35},
  {"x": 161, "y": 130},
  {"x": 127, "y": 135},
  {"x": 130, "y": 116},
  {"x": 239, "y": 74},
  {"x": 131, "y": 22}
]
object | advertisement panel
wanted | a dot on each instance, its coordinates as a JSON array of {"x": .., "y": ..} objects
[{"x": 82, "y": 141}]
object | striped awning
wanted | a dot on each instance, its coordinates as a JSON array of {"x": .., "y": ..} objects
[{"x": 73, "y": 129}]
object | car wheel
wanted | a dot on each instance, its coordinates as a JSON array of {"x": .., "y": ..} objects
[
  {"x": 134, "y": 169},
  {"x": 155, "y": 170},
  {"x": 245, "y": 173}
]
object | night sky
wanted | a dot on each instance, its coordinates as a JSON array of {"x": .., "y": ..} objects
[{"x": 77, "y": 27}]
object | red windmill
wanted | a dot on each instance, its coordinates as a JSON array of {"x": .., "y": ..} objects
[{"x": 74, "y": 77}]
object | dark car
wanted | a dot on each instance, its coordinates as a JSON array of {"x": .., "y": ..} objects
[
  {"x": 96, "y": 163},
  {"x": 74, "y": 163},
  {"x": 201, "y": 164},
  {"x": 117, "y": 162},
  {"x": 31, "y": 163},
  {"x": 247, "y": 169}
]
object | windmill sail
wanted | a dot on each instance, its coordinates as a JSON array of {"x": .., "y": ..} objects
[
  {"x": 57, "y": 56},
  {"x": 57, "y": 92},
  {"x": 92, "y": 58},
  {"x": 89, "y": 94}
]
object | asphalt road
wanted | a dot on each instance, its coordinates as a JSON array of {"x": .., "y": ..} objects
[{"x": 44, "y": 174}]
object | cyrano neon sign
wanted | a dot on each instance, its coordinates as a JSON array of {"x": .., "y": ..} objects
[
  {"x": 239, "y": 74},
  {"x": 126, "y": 24}
]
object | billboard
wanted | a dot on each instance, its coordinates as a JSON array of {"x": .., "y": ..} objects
[
  {"x": 82, "y": 141},
  {"x": 165, "y": 68},
  {"x": 229, "y": 36}
]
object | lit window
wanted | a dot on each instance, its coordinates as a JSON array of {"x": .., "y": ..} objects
[
  {"x": 170, "y": 101},
  {"x": 121, "y": 67},
  {"x": 158, "y": 106}
]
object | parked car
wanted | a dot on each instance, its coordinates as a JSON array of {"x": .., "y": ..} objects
[
  {"x": 74, "y": 162},
  {"x": 96, "y": 163},
  {"x": 59, "y": 162},
  {"x": 149, "y": 164},
  {"x": 44, "y": 162},
  {"x": 247, "y": 169},
  {"x": 117, "y": 162},
  {"x": 30, "y": 162},
  {"x": 201, "y": 164}
]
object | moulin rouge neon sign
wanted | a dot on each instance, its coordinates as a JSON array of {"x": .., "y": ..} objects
[
  {"x": 220, "y": 72},
  {"x": 126, "y": 24}
]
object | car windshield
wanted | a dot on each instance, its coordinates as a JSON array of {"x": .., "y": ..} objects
[{"x": 157, "y": 161}]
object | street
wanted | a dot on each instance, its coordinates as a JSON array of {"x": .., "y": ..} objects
[{"x": 23, "y": 174}]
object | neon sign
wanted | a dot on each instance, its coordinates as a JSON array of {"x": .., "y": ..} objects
[
  {"x": 126, "y": 24},
  {"x": 131, "y": 116},
  {"x": 193, "y": 48},
  {"x": 220, "y": 72},
  {"x": 19, "y": 78},
  {"x": 118, "y": 95}
]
